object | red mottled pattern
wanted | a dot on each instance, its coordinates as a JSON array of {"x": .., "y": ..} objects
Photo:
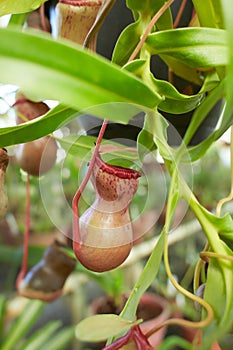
[
  {"x": 114, "y": 182},
  {"x": 81, "y": 3}
]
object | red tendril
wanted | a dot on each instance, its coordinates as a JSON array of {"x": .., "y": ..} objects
[
  {"x": 43, "y": 19},
  {"x": 179, "y": 14},
  {"x": 84, "y": 183}
]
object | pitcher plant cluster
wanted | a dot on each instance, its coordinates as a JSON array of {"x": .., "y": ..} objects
[{"x": 58, "y": 61}]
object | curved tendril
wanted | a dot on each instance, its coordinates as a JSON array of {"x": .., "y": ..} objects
[
  {"x": 23, "y": 270},
  {"x": 179, "y": 14},
  {"x": 197, "y": 273},
  {"x": 43, "y": 20},
  {"x": 179, "y": 288},
  {"x": 202, "y": 302},
  {"x": 206, "y": 254},
  {"x": 85, "y": 181}
]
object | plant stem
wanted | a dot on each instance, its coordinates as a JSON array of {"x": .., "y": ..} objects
[
  {"x": 149, "y": 28},
  {"x": 230, "y": 196},
  {"x": 179, "y": 14},
  {"x": 26, "y": 236},
  {"x": 171, "y": 205}
]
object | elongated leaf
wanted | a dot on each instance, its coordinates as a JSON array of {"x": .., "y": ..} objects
[
  {"x": 22, "y": 324},
  {"x": 2, "y": 314},
  {"x": 126, "y": 43},
  {"x": 65, "y": 72},
  {"x": 80, "y": 146},
  {"x": 15, "y": 6},
  {"x": 144, "y": 281},
  {"x": 38, "y": 127},
  {"x": 35, "y": 341},
  {"x": 209, "y": 13},
  {"x": 173, "y": 342},
  {"x": 100, "y": 327},
  {"x": 61, "y": 340},
  {"x": 196, "y": 47},
  {"x": 221, "y": 301},
  {"x": 145, "y": 141},
  {"x": 229, "y": 84},
  {"x": 203, "y": 110}
]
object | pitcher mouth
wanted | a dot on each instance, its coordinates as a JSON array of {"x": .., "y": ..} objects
[
  {"x": 81, "y": 3},
  {"x": 118, "y": 171}
]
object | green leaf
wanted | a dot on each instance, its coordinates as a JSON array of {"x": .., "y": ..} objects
[
  {"x": 126, "y": 43},
  {"x": 60, "y": 340},
  {"x": 130, "y": 36},
  {"x": 2, "y": 315},
  {"x": 182, "y": 70},
  {"x": 145, "y": 280},
  {"x": 63, "y": 71},
  {"x": 195, "y": 47},
  {"x": 145, "y": 142},
  {"x": 149, "y": 8},
  {"x": 37, "y": 339},
  {"x": 18, "y": 19},
  {"x": 210, "y": 13},
  {"x": 80, "y": 146},
  {"x": 22, "y": 324},
  {"x": 221, "y": 300},
  {"x": 16, "y": 6},
  {"x": 136, "y": 66},
  {"x": 221, "y": 270},
  {"x": 203, "y": 110},
  {"x": 158, "y": 125},
  {"x": 38, "y": 127},
  {"x": 172, "y": 342},
  {"x": 229, "y": 83},
  {"x": 100, "y": 327},
  {"x": 175, "y": 102}
]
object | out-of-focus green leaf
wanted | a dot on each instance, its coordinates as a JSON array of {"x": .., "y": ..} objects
[
  {"x": 195, "y": 47},
  {"x": 37, "y": 339},
  {"x": 100, "y": 327},
  {"x": 60, "y": 340},
  {"x": 22, "y": 324},
  {"x": 173, "y": 342},
  {"x": 2, "y": 314},
  {"x": 16, "y": 6},
  {"x": 18, "y": 19}
]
